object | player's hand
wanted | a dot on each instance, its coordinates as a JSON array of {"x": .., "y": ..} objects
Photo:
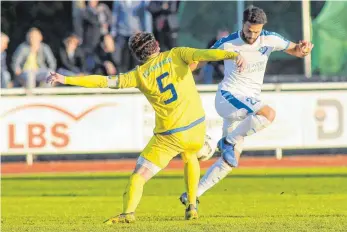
[
  {"x": 241, "y": 63},
  {"x": 55, "y": 78},
  {"x": 305, "y": 47}
]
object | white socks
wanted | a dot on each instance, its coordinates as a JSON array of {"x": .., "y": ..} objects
[
  {"x": 250, "y": 125},
  {"x": 214, "y": 174},
  {"x": 220, "y": 169}
]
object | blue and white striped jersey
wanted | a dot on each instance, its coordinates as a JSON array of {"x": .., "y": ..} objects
[{"x": 256, "y": 56}]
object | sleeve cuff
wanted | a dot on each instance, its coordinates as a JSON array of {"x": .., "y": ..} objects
[{"x": 113, "y": 82}]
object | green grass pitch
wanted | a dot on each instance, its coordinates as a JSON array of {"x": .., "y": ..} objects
[{"x": 289, "y": 199}]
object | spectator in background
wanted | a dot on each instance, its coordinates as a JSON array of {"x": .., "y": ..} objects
[
  {"x": 71, "y": 57},
  {"x": 106, "y": 60},
  {"x": 165, "y": 22},
  {"x": 33, "y": 59},
  {"x": 5, "y": 75},
  {"x": 91, "y": 33},
  {"x": 213, "y": 70},
  {"x": 148, "y": 22},
  {"x": 78, "y": 8},
  {"x": 105, "y": 18},
  {"x": 129, "y": 17}
]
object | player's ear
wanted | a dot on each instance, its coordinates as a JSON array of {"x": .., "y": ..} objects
[{"x": 158, "y": 45}]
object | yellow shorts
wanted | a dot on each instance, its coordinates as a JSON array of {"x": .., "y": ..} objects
[{"x": 162, "y": 148}]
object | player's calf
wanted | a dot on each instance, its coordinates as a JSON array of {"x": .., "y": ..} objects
[{"x": 144, "y": 171}]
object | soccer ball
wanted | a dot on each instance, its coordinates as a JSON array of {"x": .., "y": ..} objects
[{"x": 208, "y": 149}]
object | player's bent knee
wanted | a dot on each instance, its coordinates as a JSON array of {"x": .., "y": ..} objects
[
  {"x": 268, "y": 113},
  {"x": 146, "y": 168},
  {"x": 272, "y": 115}
]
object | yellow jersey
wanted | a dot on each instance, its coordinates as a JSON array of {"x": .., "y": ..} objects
[{"x": 168, "y": 84}]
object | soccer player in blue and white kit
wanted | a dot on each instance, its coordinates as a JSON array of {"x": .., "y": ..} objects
[{"x": 238, "y": 95}]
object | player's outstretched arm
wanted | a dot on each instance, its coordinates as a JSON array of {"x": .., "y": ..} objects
[
  {"x": 302, "y": 49},
  {"x": 217, "y": 55},
  {"x": 120, "y": 81},
  {"x": 190, "y": 55},
  {"x": 213, "y": 55},
  {"x": 92, "y": 81}
]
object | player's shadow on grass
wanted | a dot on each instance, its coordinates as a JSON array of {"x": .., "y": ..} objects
[{"x": 252, "y": 176}]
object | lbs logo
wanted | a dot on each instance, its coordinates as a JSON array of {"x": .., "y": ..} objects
[{"x": 28, "y": 125}]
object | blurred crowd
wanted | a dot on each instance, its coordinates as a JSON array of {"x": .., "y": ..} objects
[
  {"x": 90, "y": 37},
  {"x": 96, "y": 45}
]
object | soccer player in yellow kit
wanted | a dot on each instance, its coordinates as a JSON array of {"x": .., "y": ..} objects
[{"x": 167, "y": 82}]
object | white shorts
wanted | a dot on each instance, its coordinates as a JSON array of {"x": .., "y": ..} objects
[{"x": 235, "y": 107}]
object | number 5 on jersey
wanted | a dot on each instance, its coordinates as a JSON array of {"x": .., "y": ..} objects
[{"x": 170, "y": 87}]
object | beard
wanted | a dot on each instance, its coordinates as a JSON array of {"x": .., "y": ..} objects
[{"x": 248, "y": 40}]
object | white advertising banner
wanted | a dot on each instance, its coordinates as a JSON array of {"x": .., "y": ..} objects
[
  {"x": 303, "y": 120},
  {"x": 284, "y": 132},
  {"x": 69, "y": 124},
  {"x": 326, "y": 123},
  {"x": 125, "y": 122}
]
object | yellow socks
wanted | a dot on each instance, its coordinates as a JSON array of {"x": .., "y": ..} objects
[
  {"x": 133, "y": 193},
  {"x": 192, "y": 176}
]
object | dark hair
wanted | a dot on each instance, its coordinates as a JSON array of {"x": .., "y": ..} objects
[
  {"x": 70, "y": 36},
  {"x": 254, "y": 15},
  {"x": 143, "y": 45}
]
